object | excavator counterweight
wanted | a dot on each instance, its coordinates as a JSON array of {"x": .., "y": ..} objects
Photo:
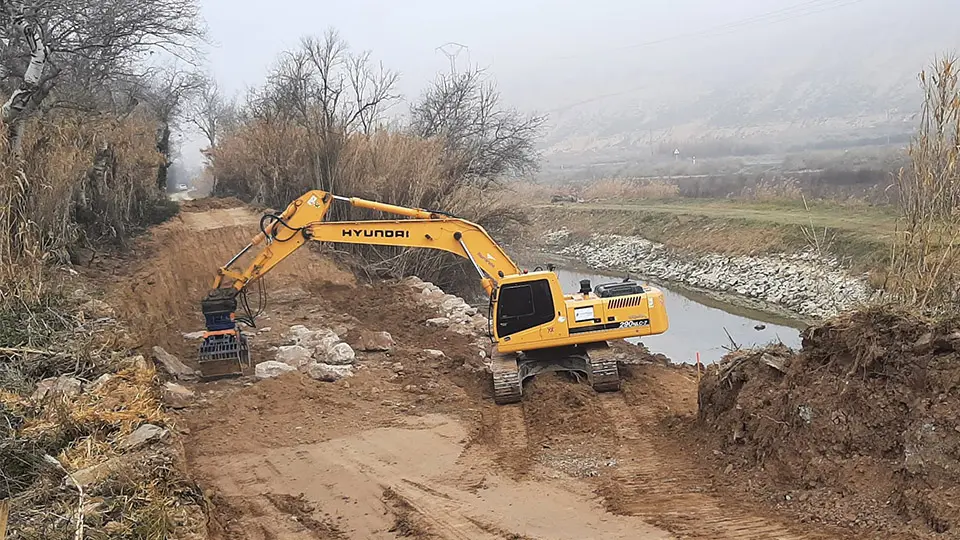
[{"x": 536, "y": 327}]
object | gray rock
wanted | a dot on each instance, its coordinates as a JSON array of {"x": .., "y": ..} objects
[
  {"x": 376, "y": 342},
  {"x": 340, "y": 355},
  {"x": 295, "y": 356},
  {"x": 98, "y": 384},
  {"x": 805, "y": 283},
  {"x": 327, "y": 372},
  {"x": 271, "y": 369},
  {"x": 433, "y": 353},
  {"x": 94, "y": 474},
  {"x": 173, "y": 366},
  {"x": 57, "y": 388},
  {"x": 194, "y": 335},
  {"x": 137, "y": 362},
  {"x": 144, "y": 435},
  {"x": 439, "y": 322},
  {"x": 176, "y": 396}
]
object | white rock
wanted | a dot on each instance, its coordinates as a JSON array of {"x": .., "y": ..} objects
[
  {"x": 433, "y": 353},
  {"x": 194, "y": 335},
  {"x": 295, "y": 356},
  {"x": 143, "y": 435},
  {"x": 453, "y": 304},
  {"x": 272, "y": 368},
  {"x": 341, "y": 354},
  {"x": 438, "y": 322},
  {"x": 328, "y": 372}
]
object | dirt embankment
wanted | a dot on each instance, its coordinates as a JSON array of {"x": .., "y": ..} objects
[{"x": 859, "y": 429}]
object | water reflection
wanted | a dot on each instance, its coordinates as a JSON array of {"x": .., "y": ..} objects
[{"x": 697, "y": 327}]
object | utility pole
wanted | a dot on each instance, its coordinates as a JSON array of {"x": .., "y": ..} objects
[{"x": 452, "y": 50}]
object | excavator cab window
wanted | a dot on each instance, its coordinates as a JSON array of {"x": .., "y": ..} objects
[{"x": 521, "y": 306}]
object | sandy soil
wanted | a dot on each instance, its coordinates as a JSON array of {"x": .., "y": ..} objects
[{"x": 414, "y": 447}]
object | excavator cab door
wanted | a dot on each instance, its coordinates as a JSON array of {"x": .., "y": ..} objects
[{"x": 522, "y": 306}]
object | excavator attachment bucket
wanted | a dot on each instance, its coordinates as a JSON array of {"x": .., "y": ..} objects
[{"x": 224, "y": 351}]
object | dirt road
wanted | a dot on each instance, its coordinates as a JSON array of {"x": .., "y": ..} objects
[{"x": 412, "y": 445}]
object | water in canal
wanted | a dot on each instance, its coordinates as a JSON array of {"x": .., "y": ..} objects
[{"x": 699, "y": 324}]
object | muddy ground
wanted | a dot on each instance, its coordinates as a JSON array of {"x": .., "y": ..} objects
[{"x": 413, "y": 446}]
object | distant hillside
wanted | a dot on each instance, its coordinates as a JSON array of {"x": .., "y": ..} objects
[{"x": 852, "y": 87}]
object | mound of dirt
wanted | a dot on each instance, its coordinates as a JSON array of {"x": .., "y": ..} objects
[
  {"x": 861, "y": 428},
  {"x": 211, "y": 203}
]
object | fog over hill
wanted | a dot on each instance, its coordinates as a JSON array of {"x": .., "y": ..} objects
[{"x": 623, "y": 79}]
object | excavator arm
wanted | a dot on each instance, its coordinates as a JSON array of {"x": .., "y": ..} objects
[
  {"x": 224, "y": 349},
  {"x": 302, "y": 221}
]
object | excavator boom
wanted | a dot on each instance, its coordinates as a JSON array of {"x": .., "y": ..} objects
[{"x": 303, "y": 221}]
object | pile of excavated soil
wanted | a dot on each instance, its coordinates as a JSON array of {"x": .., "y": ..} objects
[
  {"x": 861, "y": 428},
  {"x": 211, "y": 203}
]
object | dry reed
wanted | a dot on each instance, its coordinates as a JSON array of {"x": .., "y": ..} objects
[{"x": 924, "y": 262}]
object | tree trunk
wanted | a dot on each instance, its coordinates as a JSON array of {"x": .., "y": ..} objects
[
  {"x": 14, "y": 110},
  {"x": 163, "y": 146}
]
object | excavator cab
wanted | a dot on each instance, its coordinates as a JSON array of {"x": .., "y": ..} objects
[{"x": 524, "y": 305}]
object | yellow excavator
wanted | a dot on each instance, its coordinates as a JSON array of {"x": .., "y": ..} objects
[{"x": 535, "y": 327}]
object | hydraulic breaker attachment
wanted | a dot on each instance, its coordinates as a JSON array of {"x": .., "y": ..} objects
[{"x": 224, "y": 351}]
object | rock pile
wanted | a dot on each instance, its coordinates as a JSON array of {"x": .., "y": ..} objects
[
  {"x": 456, "y": 315},
  {"x": 321, "y": 354},
  {"x": 804, "y": 283}
]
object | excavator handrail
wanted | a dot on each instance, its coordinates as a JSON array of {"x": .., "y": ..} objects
[{"x": 304, "y": 220}]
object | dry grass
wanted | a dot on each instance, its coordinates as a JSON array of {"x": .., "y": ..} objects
[
  {"x": 620, "y": 189},
  {"x": 142, "y": 493},
  {"x": 80, "y": 180},
  {"x": 925, "y": 264}
]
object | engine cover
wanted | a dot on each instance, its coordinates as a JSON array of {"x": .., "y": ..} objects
[{"x": 625, "y": 288}]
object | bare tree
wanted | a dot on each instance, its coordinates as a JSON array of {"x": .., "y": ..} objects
[
  {"x": 331, "y": 94},
  {"x": 214, "y": 116},
  {"x": 212, "y": 113},
  {"x": 484, "y": 141},
  {"x": 167, "y": 95},
  {"x": 71, "y": 51}
]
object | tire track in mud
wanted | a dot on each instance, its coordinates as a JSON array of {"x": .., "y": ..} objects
[{"x": 666, "y": 492}]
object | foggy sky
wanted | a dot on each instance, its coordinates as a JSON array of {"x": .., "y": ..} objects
[{"x": 550, "y": 56}]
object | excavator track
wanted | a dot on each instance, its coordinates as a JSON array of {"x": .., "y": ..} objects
[
  {"x": 507, "y": 382},
  {"x": 604, "y": 375},
  {"x": 604, "y": 371},
  {"x": 596, "y": 364}
]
